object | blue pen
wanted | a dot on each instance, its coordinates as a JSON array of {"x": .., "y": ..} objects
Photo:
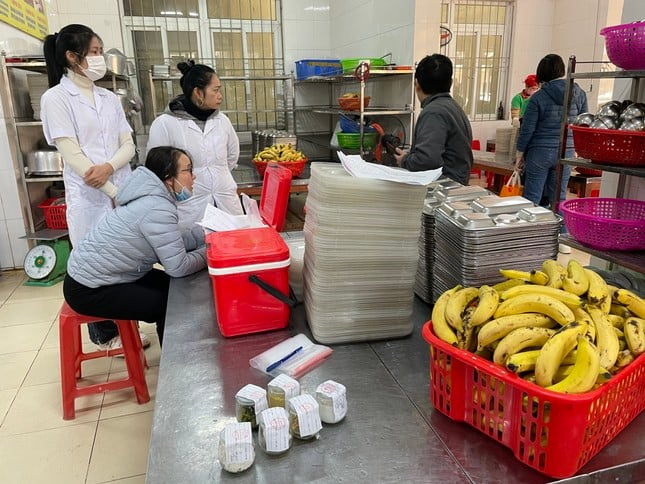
[{"x": 273, "y": 366}]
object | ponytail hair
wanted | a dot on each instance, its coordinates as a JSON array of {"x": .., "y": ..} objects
[
  {"x": 74, "y": 37},
  {"x": 194, "y": 75}
]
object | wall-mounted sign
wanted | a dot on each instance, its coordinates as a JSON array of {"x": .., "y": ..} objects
[{"x": 26, "y": 15}]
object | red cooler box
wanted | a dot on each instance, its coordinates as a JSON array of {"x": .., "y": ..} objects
[{"x": 249, "y": 268}]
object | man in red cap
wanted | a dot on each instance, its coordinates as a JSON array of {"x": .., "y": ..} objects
[{"x": 521, "y": 99}]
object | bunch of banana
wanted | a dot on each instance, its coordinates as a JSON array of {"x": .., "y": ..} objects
[
  {"x": 563, "y": 328},
  {"x": 280, "y": 153}
]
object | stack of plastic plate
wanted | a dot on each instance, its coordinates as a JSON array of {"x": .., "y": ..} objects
[
  {"x": 443, "y": 190},
  {"x": 37, "y": 84},
  {"x": 361, "y": 255},
  {"x": 473, "y": 242}
]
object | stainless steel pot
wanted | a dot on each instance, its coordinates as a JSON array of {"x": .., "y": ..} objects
[
  {"x": 44, "y": 162},
  {"x": 117, "y": 62}
]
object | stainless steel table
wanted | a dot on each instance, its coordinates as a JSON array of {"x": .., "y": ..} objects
[{"x": 391, "y": 432}]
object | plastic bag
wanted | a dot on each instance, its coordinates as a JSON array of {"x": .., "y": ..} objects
[
  {"x": 513, "y": 187},
  {"x": 294, "y": 357}
]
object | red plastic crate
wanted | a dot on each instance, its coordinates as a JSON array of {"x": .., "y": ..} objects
[
  {"x": 55, "y": 215},
  {"x": 554, "y": 433}
]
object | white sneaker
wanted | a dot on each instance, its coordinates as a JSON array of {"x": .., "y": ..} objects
[
  {"x": 113, "y": 344},
  {"x": 145, "y": 341},
  {"x": 564, "y": 249}
]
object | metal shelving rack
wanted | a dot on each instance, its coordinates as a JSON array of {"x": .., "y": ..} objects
[
  {"x": 631, "y": 260},
  {"x": 334, "y": 82}
]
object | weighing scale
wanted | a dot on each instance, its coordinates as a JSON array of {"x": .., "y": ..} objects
[{"x": 46, "y": 263}]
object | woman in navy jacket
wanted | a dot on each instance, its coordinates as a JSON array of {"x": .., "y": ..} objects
[{"x": 539, "y": 136}]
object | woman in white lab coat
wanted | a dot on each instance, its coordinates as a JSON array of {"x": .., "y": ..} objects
[
  {"x": 194, "y": 123},
  {"x": 87, "y": 125}
]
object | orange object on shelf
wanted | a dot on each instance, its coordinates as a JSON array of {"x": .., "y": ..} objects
[{"x": 353, "y": 103}]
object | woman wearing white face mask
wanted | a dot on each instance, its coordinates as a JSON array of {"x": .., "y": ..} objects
[{"x": 87, "y": 125}]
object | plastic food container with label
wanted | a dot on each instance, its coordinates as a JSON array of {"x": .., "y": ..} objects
[
  {"x": 304, "y": 417},
  {"x": 281, "y": 389},
  {"x": 250, "y": 400},
  {"x": 332, "y": 400}
]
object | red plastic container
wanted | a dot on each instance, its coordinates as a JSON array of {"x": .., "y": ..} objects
[
  {"x": 55, "y": 213},
  {"x": 554, "y": 433},
  {"x": 237, "y": 258},
  {"x": 295, "y": 167}
]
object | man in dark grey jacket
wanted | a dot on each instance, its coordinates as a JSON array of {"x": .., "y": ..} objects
[{"x": 443, "y": 136}]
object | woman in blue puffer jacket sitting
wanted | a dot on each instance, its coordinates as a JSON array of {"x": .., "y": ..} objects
[
  {"x": 110, "y": 272},
  {"x": 539, "y": 137}
]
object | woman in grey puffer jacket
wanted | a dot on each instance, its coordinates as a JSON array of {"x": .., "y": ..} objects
[
  {"x": 110, "y": 273},
  {"x": 539, "y": 136}
]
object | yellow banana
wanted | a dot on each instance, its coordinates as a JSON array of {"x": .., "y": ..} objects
[
  {"x": 538, "y": 277},
  {"x": 507, "y": 284},
  {"x": 616, "y": 321},
  {"x": 555, "y": 271},
  {"x": 536, "y": 303},
  {"x": 576, "y": 281},
  {"x": 606, "y": 337},
  {"x": 625, "y": 357},
  {"x": 439, "y": 323},
  {"x": 620, "y": 310},
  {"x": 583, "y": 317},
  {"x": 519, "y": 339},
  {"x": 598, "y": 293},
  {"x": 554, "y": 351},
  {"x": 567, "y": 298},
  {"x": 498, "y": 328},
  {"x": 456, "y": 305},
  {"x": 515, "y": 274},
  {"x": 488, "y": 301},
  {"x": 635, "y": 335},
  {"x": 635, "y": 304},
  {"x": 525, "y": 360},
  {"x": 565, "y": 370},
  {"x": 585, "y": 370}
]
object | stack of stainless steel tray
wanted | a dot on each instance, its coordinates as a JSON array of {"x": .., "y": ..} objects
[
  {"x": 472, "y": 244},
  {"x": 439, "y": 192}
]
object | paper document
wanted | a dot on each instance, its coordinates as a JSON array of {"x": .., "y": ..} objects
[
  {"x": 217, "y": 220},
  {"x": 356, "y": 166}
]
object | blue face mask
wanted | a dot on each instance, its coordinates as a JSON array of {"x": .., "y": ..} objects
[{"x": 184, "y": 194}]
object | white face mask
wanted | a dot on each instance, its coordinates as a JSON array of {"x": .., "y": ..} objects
[{"x": 96, "y": 67}]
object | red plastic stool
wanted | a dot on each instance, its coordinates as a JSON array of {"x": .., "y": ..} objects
[{"x": 71, "y": 357}]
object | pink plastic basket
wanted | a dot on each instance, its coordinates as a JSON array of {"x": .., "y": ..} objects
[
  {"x": 625, "y": 45},
  {"x": 606, "y": 223}
]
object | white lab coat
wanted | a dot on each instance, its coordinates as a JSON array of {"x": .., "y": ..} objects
[
  {"x": 214, "y": 153},
  {"x": 67, "y": 113}
]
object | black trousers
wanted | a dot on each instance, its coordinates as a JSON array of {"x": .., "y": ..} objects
[{"x": 145, "y": 299}]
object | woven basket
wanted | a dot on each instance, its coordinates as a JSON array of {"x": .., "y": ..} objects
[
  {"x": 606, "y": 223},
  {"x": 625, "y": 45}
]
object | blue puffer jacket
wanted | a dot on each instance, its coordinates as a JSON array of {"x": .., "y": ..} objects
[
  {"x": 543, "y": 116},
  {"x": 141, "y": 231}
]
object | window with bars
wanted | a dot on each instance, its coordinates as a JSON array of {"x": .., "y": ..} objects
[
  {"x": 240, "y": 39},
  {"x": 476, "y": 35}
]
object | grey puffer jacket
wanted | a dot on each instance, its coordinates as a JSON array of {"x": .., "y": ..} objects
[{"x": 141, "y": 231}]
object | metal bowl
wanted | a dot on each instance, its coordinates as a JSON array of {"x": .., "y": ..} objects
[
  {"x": 44, "y": 162},
  {"x": 584, "y": 119},
  {"x": 612, "y": 108},
  {"x": 634, "y": 110},
  {"x": 604, "y": 122}
]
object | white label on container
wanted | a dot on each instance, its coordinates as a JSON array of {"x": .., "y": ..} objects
[
  {"x": 338, "y": 396},
  {"x": 256, "y": 394},
  {"x": 306, "y": 408},
  {"x": 289, "y": 386},
  {"x": 238, "y": 441},
  {"x": 276, "y": 429}
]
